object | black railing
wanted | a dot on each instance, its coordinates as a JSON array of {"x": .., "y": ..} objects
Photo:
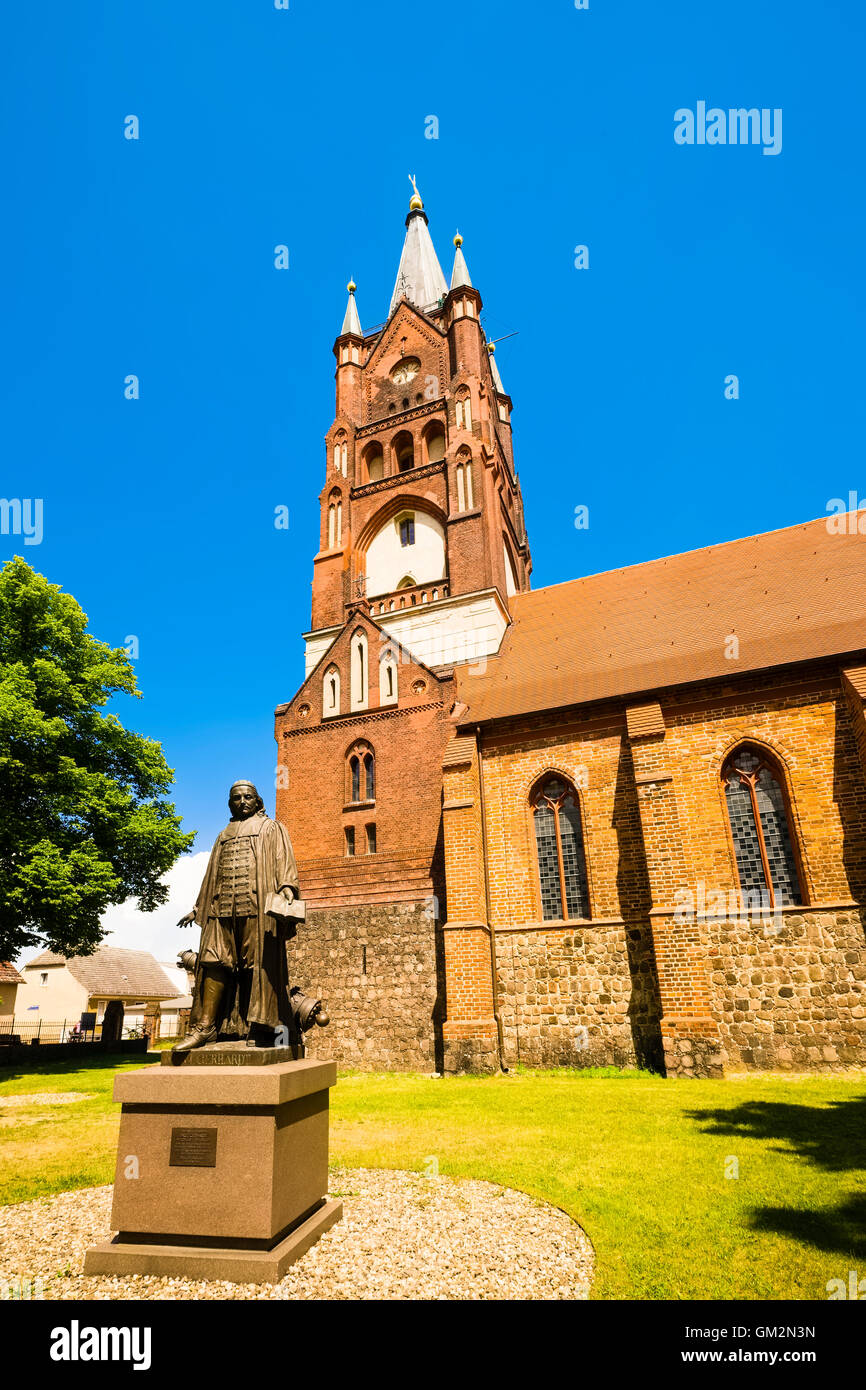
[{"x": 26, "y": 1030}]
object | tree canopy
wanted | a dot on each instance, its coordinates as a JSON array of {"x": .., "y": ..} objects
[{"x": 84, "y": 822}]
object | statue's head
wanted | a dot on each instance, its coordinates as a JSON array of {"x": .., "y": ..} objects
[{"x": 244, "y": 800}]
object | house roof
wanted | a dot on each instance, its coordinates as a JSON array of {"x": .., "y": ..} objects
[
  {"x": 787, "y": 596},
  {"x": 9, "y": 975},
  {"x": 114, "y": 972}
]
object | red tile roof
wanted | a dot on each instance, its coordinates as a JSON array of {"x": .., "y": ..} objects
[
  {"x": 114, "y": 971},
  {"x": 9, "y": 975},
  {"x": 788, "y": 596},
  {"x": 644, "y": 720}
]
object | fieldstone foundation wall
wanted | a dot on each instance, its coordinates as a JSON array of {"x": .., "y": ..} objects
[
  {"x": 378, "y": 969},
  {"x": 579, "y": 997},
  {"x": 790, "y": 995},
  {"x": 692, "y": 1055}
]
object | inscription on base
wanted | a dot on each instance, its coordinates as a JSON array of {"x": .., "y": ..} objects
[{"x": 193, "y": 1148}]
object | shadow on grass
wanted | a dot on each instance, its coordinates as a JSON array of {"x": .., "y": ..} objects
[
  {"x": 831, "y": 1137},
  {"x": 70, "y": 1066}
]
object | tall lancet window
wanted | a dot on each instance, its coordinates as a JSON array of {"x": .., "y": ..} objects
[
  {"x": 761, "y": 828},
  {"x": 335, "y": 520},
  {"x": 341, "y": 454},
  {"x": 388, "y": 679},
  {"x": 561, "y": 858},
  {"x": 464, "y": 411},
  {"x": 331, "y": 692},
  {"x": 360, "y": 674},
  {"x": 464, "y": 481}
]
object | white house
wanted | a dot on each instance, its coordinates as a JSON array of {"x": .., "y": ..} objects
[{"x": 56, "y": 989}]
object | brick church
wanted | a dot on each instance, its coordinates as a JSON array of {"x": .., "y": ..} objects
[{"x": 619, "y": 820}]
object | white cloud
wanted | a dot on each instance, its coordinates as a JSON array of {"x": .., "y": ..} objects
[{"x": 158, "y": 931}]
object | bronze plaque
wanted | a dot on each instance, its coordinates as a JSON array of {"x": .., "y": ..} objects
[{"x": 193, "y": 1148}]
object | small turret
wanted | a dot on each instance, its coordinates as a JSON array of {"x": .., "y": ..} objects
[{"x": 351, "y": 321}]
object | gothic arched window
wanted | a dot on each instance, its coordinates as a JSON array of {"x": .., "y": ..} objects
[
  {"x": 464, "y": 411},
  {"x": 561, "y": 858},
  {"x": 435, "y": 441},
  {"x": 761, "y": 828},
  {"x": 362, "y": 773},
  {"x": 464, "y": 481},
  {"x": 359, "y": 675},
  {"x": 388, "y": 679},
  {"x": 375, "y": 462},
  {"x": 341, "y": 453},
  {"x": 331, "y": 692}
]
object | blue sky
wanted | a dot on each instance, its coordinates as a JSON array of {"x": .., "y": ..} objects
[{"x": 260, "y": 127}]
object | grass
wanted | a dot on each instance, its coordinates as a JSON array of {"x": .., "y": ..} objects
[
  {"x": 640, "y": 1162},
  {"x": 50, "y": 1148}
]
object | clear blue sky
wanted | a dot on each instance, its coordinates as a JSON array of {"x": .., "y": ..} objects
[{"x": 261, "y": 127}]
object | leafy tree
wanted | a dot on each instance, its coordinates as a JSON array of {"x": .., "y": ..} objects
[{"x": 83, "y": 819}]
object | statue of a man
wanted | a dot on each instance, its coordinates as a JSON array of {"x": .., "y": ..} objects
[{"x": 241, "y": 980}]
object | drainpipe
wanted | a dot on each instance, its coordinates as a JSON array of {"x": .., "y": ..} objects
[{"x": 496, "y": 1014}]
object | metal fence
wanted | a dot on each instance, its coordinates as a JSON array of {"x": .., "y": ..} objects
[{"x": 27, "y": 1030}]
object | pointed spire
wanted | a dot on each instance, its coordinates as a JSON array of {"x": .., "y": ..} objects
[
  {"x": 460, "y": 273},
  {"x": 494, "y": 370},
  {"x": 351, "y": 321},
  {"x": 419, "y": 275}
]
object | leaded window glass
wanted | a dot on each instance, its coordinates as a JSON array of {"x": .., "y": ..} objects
[
  {"x": 760, "y": 828},
  {"x": 561, "y": 858},
  {"x": 362, "y": 773}
]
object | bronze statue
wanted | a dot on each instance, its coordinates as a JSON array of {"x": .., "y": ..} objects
[{"x": 247, "y": 908}]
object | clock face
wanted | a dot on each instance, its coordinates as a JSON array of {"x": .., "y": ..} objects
[{"x": 405, "y": 371}]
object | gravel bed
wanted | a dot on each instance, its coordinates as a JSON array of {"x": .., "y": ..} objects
[
  {"x": 402, "y": 1236},
  {"x": 45, "y": 1098}
]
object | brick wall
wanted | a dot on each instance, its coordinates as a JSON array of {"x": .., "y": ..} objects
[{"x": 654, "y": 822}]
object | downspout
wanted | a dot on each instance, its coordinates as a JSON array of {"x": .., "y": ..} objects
[{"x": 494, "y": 986}]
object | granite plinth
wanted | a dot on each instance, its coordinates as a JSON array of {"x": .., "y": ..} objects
[
  {"x": 236, "y": 1265},
  {"x": 226, "y": 1054},
  {"x": 226, "y": 1159}
]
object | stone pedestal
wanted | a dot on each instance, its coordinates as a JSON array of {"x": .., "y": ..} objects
[{"x": 222, "y": 1168}]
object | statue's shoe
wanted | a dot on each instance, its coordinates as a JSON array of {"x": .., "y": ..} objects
[{"x": 199, "y": 1037}]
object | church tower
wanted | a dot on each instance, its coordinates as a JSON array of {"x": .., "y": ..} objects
[
  {"x": 422, "y": 544},
  {"x": 421, "y": 506}
]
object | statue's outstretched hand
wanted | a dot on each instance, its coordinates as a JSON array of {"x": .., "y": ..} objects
[{"x": 189, "y": 917}]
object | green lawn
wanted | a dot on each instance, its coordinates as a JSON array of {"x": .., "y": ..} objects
[{"x": 640, "y": 1162}]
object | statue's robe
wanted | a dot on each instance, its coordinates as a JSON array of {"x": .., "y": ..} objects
[{"x": 275, "y": 871}]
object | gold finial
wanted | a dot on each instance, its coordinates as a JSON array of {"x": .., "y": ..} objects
[
  {"x": 415, "y": 203},
  {"x": 458, "y": 241},
  {"x": 491, "y": 348},
  {"x": 351, "y": 287}
]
